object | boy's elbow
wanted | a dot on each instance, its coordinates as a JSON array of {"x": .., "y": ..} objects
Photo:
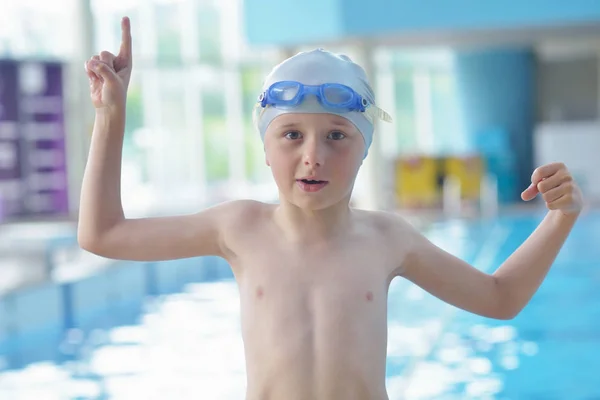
[
  {"x": 506, "y": 308},
  {"x": 91, "y": 243},
  {"x": 505, "y": 313},
  {"x": 496, "y": 303},
  {"x": 87, "y": 242}
]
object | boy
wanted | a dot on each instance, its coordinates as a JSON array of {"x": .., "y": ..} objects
[{"x": 313, "y": 273}]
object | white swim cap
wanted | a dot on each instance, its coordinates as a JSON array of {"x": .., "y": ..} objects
[{"x": 318, "y": 67}]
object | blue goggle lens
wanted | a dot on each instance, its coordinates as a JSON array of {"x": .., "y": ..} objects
[
  {"x": 285, "y": 91},
  {"x": 337, "y": 95}
]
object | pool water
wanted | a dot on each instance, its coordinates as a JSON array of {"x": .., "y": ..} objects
[
  {"x": 158, "y": 340},
  {"x": 551, "y": 350}
]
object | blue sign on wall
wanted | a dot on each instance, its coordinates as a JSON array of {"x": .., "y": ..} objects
[{"x": 288, "y": 22}]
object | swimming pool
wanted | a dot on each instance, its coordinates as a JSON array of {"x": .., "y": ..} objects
[{"x": 171, "y": 330}]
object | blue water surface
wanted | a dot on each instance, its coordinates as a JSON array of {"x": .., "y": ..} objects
[{"x": 171, "y": 330}]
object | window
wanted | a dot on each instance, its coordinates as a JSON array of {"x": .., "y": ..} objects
[
  {"x": 168, "y": 33},
  {"x": 252, "y": 80},
  {"x": 404, "y": 117},
  {"x": 216, "y": 136},
  {"x": 209, "y": 33}
]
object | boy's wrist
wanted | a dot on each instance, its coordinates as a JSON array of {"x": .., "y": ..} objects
[
  {"x": 561, "y": 217},
  {"x": 111, "y": 113},
  {"x": 109, "y": 120}
]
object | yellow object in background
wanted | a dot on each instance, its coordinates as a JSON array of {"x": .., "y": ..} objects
[
  {"x": 469, "y": 171},
  {"x": 417, "y": 181}
]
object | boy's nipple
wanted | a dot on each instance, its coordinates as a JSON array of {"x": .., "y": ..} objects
[{"x": 259, "y": 292}]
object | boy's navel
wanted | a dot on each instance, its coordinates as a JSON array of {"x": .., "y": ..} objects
[{"x": 369, "y": 296}]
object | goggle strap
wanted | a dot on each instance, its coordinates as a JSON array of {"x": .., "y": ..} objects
[
  {"x": 372, "y": 113},
  {"x": 375, "y": 113},
  {"x": 382, "y": 115}
]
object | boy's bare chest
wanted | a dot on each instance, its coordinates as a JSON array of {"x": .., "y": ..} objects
[
  {"x": 318, "y": 275},
  {"x": 290, "y": 299}
]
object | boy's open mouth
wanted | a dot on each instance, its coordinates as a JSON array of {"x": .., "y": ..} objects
[
  {"x": 311, "y": 181},
  {"x": 311, "y": 185}
]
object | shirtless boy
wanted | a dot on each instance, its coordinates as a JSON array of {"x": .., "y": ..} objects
[{"x": 313, "y": 273}]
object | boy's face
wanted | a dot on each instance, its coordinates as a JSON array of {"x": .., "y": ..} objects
[{"x": 314, "y": 158}]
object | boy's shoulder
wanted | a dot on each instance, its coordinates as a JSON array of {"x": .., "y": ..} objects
[
  {"x": 236, "y": 218},
  {"x": 390, "y": 229},
  {"x": 240, "y": 216},
  {"x": 392, "y": 234},
  {"x": 244, "y": 204},
  {"x": 243, "y": 209},
  {"x": 385, "y": 221}
]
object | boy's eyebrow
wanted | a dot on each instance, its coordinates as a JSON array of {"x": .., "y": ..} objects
[
  {"x": 287, "y": 125},
  {"x": 336, "y": 122},
  {"x": 340, "y": 122}
]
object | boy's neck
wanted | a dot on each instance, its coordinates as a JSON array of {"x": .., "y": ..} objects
[{"x": 309, "y": 225}]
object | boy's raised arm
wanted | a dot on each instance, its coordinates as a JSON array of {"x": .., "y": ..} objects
[
  {"x": 103, "y": 228},
  {"x": 507, "y": 291}
]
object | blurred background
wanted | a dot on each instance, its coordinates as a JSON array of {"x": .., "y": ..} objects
[{"x": 481, "y": 93}]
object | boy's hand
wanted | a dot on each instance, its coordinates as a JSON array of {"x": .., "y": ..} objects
[
  {"x": 557, "y": 187},
  {"x": 109, "y": 74}
]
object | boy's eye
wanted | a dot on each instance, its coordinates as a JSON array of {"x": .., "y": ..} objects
[
  {"x": 292, "y": 135},
  {"x": 337, "y": 135}
]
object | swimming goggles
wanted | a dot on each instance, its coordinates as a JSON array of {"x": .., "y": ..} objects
[{"x": 333, "y": 96}]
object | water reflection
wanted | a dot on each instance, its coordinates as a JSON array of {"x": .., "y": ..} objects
[
  {"x": 467, "y": 366},
  {"x": 186, "y": 346}
]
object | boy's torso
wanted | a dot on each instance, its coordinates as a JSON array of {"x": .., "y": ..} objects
[{"x": 314, "y": 316}]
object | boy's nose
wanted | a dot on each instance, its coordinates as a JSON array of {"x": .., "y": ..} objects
[{"x": 314, "y": 155}]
